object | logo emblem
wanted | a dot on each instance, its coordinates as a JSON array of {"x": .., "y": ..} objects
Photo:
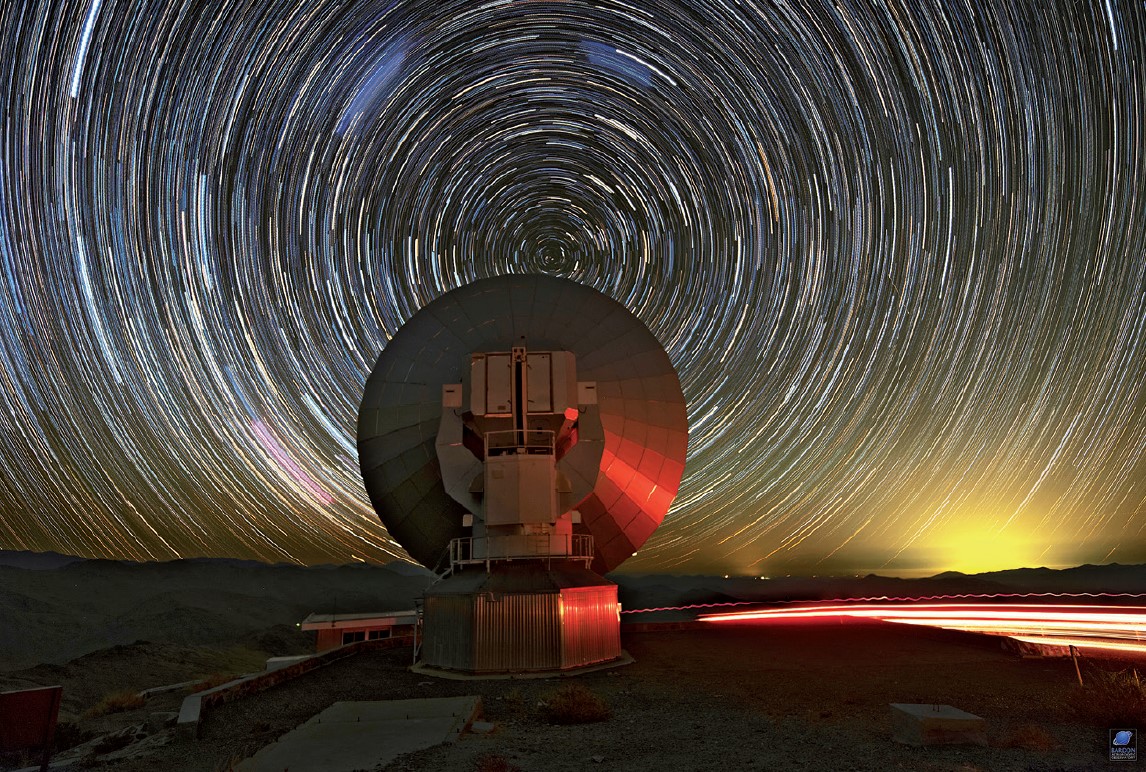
[{"x": 1123, "y": 745}]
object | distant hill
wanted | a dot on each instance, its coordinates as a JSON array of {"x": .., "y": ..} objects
[
  {"x": 54, "y": 608},
  {"x": 36, "y": 561},
  {"x": 1113, "y": 577},
  {"x": 52, "y": 615},
  {"x": 659, "y": 591},
  {"x": 409, "y": 569}
]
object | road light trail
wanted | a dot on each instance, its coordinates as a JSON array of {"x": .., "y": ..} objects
[{"x": 1109, "y": 628}]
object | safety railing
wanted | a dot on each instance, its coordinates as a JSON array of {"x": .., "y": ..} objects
[
  {"x": 530, "y": 441},
  {"x": 470, "y": 550}
]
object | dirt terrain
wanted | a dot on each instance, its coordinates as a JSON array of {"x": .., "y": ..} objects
[{"x": 782, "y": 697}]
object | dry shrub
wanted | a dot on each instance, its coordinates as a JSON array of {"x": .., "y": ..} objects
[
  {"x": 69, "y": 735},
  {"x": 514, "y": 701},
  {"x": 1029, "y": 737},
  {"x": 1111, "y": 698},
  {"x": 495, "y": 762},
  {"x": 232, "y": 763},
  {"x": 211, "y": 681},
  {"x": 117, "y": 702},
  {"x": 574, "y": 704}
]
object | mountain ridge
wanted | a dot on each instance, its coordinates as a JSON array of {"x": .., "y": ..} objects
[{"x": 56, "y": 607}]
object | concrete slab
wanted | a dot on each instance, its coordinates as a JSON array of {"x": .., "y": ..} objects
[
  {"x": 277, "y": 663},
  {"x": 170, "y": 687},
  {"x": 914, "y": 724},
  {"x": 191, "y": 709},
  {"x": 351, "y": 736}
]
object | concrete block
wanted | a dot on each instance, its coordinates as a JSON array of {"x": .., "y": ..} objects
[
  {"x": 920, "y": 725},
  {"x": 278, "y": 663},
  {"x": 188, "y": 721}
]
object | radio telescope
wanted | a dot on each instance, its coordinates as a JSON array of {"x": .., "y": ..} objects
[{"x": 521, "y": 436}]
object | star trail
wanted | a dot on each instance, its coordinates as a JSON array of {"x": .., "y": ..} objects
[{"x": 895, "y": 250}]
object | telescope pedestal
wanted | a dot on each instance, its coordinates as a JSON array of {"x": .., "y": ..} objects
[{"x": 521, "y": 617}]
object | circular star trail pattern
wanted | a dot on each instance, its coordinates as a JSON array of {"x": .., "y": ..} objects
[{"x": 895, "y": 251}]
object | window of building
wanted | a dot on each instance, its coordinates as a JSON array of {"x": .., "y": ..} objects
[
  {"x": 353, "y": 636},
  {"x": 374, "y": 635}
]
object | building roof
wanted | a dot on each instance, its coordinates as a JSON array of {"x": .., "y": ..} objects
[{"x": 368, "y": 619}]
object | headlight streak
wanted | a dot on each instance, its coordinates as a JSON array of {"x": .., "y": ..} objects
[
  {"x": 1114, "y": 628},
  {"x": 1101, "y": 596}
]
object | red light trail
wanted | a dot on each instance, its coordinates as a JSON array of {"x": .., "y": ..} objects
[
  {"x": 1110, "y": 628},
  {"x": 904, "y": 599}
]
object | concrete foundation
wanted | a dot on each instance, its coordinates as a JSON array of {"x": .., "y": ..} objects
[
  {"x": 350, "y": 736},
  {"x": 913, "y": 724}
]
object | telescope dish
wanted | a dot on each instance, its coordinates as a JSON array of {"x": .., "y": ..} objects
[{"x": 639, "y": 401}]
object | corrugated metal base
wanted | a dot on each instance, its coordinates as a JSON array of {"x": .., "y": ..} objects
[{"x": 521, "y": 617}]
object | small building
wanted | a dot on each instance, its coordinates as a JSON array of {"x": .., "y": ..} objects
[{"x": 336, "y": 630}]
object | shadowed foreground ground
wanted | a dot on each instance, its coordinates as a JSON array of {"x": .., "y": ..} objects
[{"x": 788, "y": 697}]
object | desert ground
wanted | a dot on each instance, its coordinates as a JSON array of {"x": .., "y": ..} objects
[{"x": 731, "y": 697}]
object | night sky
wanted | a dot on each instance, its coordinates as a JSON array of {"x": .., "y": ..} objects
[{"x": 897, "y": 253}]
